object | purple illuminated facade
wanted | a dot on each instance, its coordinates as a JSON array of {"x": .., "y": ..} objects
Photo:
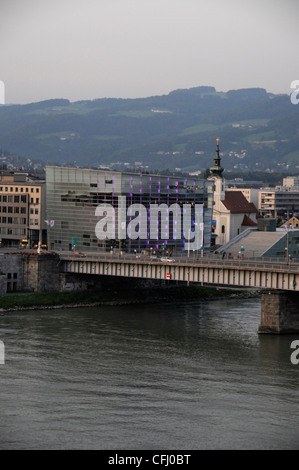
[{"x": 73, "y": 194}]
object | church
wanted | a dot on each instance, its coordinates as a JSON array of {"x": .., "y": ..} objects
[{"x": 232, "y": 212}]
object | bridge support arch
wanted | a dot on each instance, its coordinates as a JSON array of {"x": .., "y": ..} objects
[{"x": 279, "y": 312}]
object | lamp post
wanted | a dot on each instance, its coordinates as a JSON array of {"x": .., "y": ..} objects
[
  {"x": 201, "y": 227},
  {"x": 287, "y": 248},
  {"x": 202, "y": 237}
]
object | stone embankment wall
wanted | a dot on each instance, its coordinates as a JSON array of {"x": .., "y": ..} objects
[
  {"x": 41, "y": 272},
  {"x": 11, "y": 273}
]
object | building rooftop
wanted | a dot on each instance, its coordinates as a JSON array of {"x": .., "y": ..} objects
[{"x": 236, "y": 202}]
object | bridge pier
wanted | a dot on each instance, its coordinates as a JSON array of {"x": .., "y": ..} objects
[{"x": 279, "y": 312}]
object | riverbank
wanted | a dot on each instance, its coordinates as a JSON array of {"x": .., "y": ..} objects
[{"x": 49, "y": 300}]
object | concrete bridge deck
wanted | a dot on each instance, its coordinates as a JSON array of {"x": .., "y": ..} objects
[{"x": 250, "y": 273}]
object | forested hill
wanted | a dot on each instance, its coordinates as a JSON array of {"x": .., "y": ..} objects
[{"x": 257, "y": 130}]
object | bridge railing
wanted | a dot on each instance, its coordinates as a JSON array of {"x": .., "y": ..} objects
[{"x": 207, "y": 259}]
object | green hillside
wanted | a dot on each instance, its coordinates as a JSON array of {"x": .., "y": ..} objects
[{"x": 257, "y": 131}]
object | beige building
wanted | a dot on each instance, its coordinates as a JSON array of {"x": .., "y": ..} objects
[
  {"x": 293, "y": 222},
  {"x": 22, "y": 209},
  {"x": 291, "y": 182},
  {"x": 267, "y": 202}
]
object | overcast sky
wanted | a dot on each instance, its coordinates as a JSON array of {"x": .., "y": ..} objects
[{"x": 88, "y": 49}]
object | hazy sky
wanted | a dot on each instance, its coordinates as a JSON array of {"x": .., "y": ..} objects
[{"x": 87, "y": 49}]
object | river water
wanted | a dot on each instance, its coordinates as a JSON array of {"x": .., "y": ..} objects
[{"x": 187, "y": 376}]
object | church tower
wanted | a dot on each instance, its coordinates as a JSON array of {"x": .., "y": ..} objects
[
  {"x": 216, "y": 170},
  {"x": 216, "y": 176}
]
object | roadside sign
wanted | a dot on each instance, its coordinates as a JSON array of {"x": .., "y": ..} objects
[{"x": 168, "y": 275}]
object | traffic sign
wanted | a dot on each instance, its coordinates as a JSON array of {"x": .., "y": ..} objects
[{"x": 168, "y": 275}]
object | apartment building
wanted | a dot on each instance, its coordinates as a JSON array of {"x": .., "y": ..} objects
[
  {"x": 291, "y": 182},
  {"x": 22, "y": 209},
  {"x": 278, "y": 203}
]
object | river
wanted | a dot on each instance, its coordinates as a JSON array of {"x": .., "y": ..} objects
[{"x": 188, "y": 376}]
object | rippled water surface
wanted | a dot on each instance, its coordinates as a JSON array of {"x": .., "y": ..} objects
[{"x": 184, "y": 376}]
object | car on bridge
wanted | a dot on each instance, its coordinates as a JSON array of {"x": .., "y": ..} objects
[
  {"x": 80, "y": 255},
  {"x": 167, "y": 260}
]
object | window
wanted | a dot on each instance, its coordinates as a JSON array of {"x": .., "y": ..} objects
[{"x": 223, "y": 229}]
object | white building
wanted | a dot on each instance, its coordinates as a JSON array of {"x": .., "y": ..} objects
[{"x": 232, "y": 212}]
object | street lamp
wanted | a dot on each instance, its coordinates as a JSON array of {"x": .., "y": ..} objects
[{"x": 201, "y": 228}]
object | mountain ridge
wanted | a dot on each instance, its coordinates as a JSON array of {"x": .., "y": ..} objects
[{"x": 257, "y": 130}]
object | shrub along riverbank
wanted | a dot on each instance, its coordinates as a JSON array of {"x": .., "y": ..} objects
[{"x": 18, "y": 301}]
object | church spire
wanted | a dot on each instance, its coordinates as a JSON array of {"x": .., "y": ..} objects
[{"x": 217, "y": 170}]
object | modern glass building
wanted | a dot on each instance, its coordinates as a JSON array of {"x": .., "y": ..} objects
[{"x": 137, "y": 211}]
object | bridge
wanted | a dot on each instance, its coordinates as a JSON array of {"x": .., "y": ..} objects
[
  {"x": 278, "y": 278},
  {"x": 259, "y": 274}
]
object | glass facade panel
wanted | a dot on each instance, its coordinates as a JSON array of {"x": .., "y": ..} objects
[{"x": 74, "y": 194}]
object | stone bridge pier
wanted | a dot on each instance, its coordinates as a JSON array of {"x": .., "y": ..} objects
[{"x": 279, "y": 312}]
